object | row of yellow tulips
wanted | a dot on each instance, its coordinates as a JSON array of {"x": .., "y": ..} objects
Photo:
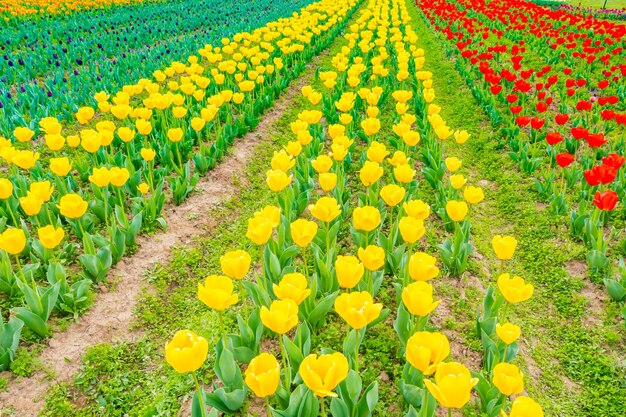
[{"x": 382, "y": 224}]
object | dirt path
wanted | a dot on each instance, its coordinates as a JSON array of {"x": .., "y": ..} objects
[{"x": 110, "y": 317}]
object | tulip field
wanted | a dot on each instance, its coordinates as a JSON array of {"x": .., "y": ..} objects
[{"x": 343, "y": 208}]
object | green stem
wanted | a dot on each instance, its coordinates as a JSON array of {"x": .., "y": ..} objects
[
  {"x": 19, "y": 268},
  {"x": 80, "y": 226},
  {"x": 12, "y": 214},
  {"x": 222, "y": 330},
  {"x": 200, "y": 396},
  {"x": 286, "y": 368},
  {"x": 267, "y": 406},
  {"x": 323, "y": 407},
  {"x": 506, "y": 348},
  {"x": 449, "y": 412},
  {"x": 306, "y": 264},
  {"x": 356, "y": 352}
]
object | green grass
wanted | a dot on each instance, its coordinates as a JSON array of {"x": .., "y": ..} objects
[{"x": 610, "y": 4}]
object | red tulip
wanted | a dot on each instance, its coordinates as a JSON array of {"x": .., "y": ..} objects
[
  {"x": 614, "y": 161},
  {"x": 561, "y": 119},
  {"x": 605, "y": 201},
  {"x": 553, "y": 138},
  {"x": 537, "y": 123},
  {"x": 579, "y": 132},
  {"x": 595, "y": 140},
  {"x": 600, "y": 174},
  {"x": 522, "y": 121},
  {"x": 564, "y": 159}
]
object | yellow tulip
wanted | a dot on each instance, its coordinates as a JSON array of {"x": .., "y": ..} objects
[
  {"x": 235, "y": 264},
  {"x": 6, "y": 188},
  {"x": 293, "y": 148},
  {"x": 91, "y": 140},
  {"x": 411, "y": 229},
  {"x": 366, "y": 218},
  {"x": 377, "y": 152},
  {"x": 277, "y": 180},
  {"x": 370, "y": 126},
  {"x": 72, "y": 206},
  {"x": 402, "y": 96},
  {"x": 175, "y": 134},
  {"x": 525, "y": 407},
  {"x": 404, "y": 173},
  {"x": 23, "y": 134},
  {"x": 328, "y": 181},
  {"x": 50, "y": 236},
  {"x": 457, "y": 210},
  {"x": 453, "y": 384},
  {"x": 271, "y": 213},
  {"x": 422, "y": 267},
  {"x": 263, "y": 375},
  {"x": 349, "y": 271},
  {"x": 426, "y": 350},
  {"x": 13, "y": 241},
  {"x": 370, "y": 173},
  {"x": 143, "y": 188},
  {"x": 259, "y": 230},
  {"x": 417, "y": 209},
  {"x": 42, "y": 189},
  {"x": 336, "y": 130},
  {"x": 504, "y": 246},
  {"x": 303, "y": 231},
  {"x": 321, "y": 374},
  {"x": 508, "y": 379},
  {"x": 326, "y": 209},
  {"x": 31, "y": 204},
  {"x": 508, "y": 332},
  {"x": 50, "y": 125},
  {"x": 398, "y": 158},
  {"x": 197, "y": 123},
  {"x": 418, "y": 298},
  {"x": 392, "y": 194},
  {"x": 411, "y": 138},
  {"x": 25, "y": 159},
  {"x": 372, "y": 257},
  {"x": 54, "y": 142},
  {"x": 73, "y": 141},
  {"x": 84, "y": 115},
  {"x": 100, "y": 177},
  {"x": 514, "y": 290},
  {"x": 126, "y": 134},
  {"x": 217, "y": 292},
  {"x": 443, "y": 132},
  {"x": 186, "y": 352},
  {"x": 147, "y": 154},
  {"x": 119, "y": 176},
  {"x": 322, "y": 164},
  {"x": 453, "y": 163},
  {"x": 281, "y": 317},
  {"x": 339, "y": 151},
  {"x": 473, "y": 195},
  {"x": 60, "y": 166},
  {"x": 461, "y": 136},
  {"x": 144, "y": 127},
  {"x": 345, "y": 118},
  {"x": 357, "y": 308},
  {"x": 457, "y": 181},
  {"x": 281, "y": 161},
  {"x": 293, "y": 287}
]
